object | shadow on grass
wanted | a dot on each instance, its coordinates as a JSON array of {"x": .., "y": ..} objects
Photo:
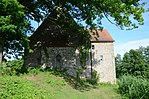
[{"x": 75, "y": 83}]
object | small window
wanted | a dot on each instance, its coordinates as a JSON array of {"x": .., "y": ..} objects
[
  {"x": 101, "y": 57},
  {"x": 93, "y": 47},
  {"x": 58, "y": 58}
]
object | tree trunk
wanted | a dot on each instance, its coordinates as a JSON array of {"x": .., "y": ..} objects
[{"x": 1, "y": 53}]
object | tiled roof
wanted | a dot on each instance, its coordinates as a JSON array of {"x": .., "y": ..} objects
[{"x": 101, "y": 36}]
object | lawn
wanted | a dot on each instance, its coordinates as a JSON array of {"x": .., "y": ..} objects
[{"x": 51, "y": 85}]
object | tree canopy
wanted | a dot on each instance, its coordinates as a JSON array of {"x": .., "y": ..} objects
[
  {"x": 125, "y": 13},
  {"x": 13, "y": 27},
  {"x": 134, "y": 62},
  {"x": 16, "y": 15}
]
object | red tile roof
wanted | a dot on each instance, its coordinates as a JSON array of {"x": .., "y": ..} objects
[{"x": 101, "y": 36}]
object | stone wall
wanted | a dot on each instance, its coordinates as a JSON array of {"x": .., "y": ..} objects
[
  {"x": 63, "y": 58},
  {"x": 67, "y": 59},
  {"x": 103, "y": 61}
]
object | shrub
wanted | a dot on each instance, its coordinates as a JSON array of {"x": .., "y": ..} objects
[
  {"x": 4, "y": 70},
  {"x": 94, "y": 79},
  {"x": 34, "y": 71},
  {"x": 134, "y": 87},
  {"x": 11, "y": 67}
]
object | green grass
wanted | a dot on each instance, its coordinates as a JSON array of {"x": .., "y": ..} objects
[
  {"x": 53, "y": 85},
  {"x": 14, "y": 87}
]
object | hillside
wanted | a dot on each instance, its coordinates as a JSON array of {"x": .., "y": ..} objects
[{"x": 52, "y": 85}]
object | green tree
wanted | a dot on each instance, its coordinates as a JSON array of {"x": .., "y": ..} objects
[
  {"x": 127, "y": 14},
  {"x": 145, "y": 52},
  {"x": 123, "y": 11},
  {"x": 118, "y": 64},
  {"x": 13, "y": 27},
  {"x": 133, "y": 63}
]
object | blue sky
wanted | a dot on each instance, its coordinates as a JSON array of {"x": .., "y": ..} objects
[{"x": 127, "y": 39}]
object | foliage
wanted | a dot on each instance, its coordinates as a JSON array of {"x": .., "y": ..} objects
[
  {"x": 16, "y": 16},
  {"x": 124, "y": 12},
  {"x": 94, "y": 79},
  {"x": 118, "y": 64},
  {"x": 83, "y": 55},
  {"x": 145, "y": 52},
  {"x": 12, "y": 87},
  {"x": 134, "y": 87},
  {"x": 11, "y": 68},
  {"x": 15, "y": 65},
  {"x": 4, "y": 70},
  {"x": 49, "y": 85},
  {"x": 35, "y": 70},
  {"x": 13, "y": 27},
  {"x": 133, "y": 63},
  {"x": 79, "y": 71}
]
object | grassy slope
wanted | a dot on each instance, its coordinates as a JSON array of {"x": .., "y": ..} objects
[{"x": 64, "y": 87}]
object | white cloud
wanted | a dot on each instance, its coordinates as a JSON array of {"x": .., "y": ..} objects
[{"x": 125, "y": 47}]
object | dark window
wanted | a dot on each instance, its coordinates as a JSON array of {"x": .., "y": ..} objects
[
  {"x": 101, "y": 57},
  {"x": 58, "y": 58},
  {"x": 93, "y": 47}
]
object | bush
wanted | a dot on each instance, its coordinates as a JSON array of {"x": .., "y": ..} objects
[
  {"x": 94, "y": 79},
  {"x": 33, "y": 71},
  {"x": 4, "y": 70},
  {"x": 134, "y": 87},
  {"x": 13, "y": 87},
  {"x": 11, "y": 68}
]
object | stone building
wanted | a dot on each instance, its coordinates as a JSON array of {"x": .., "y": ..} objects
[
  {"x": 54, "y": 49},
  {"x": 103, "y": 60}
]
